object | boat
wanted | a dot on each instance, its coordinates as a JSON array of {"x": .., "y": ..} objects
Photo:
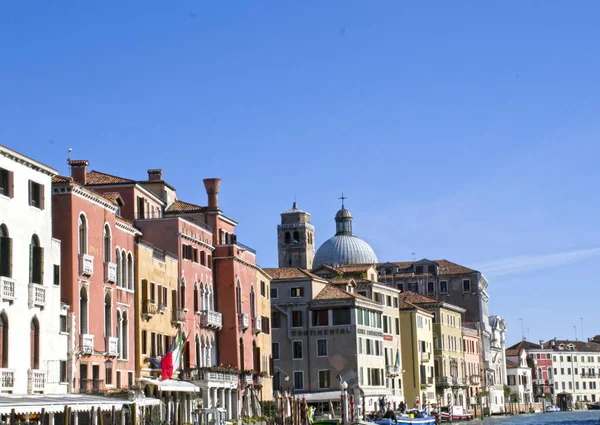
[
  {"x": 413, "y": 418},
  {"x": 552, "y": 408},
  {"x": 458, "y": 414},
  {"x": 593, "y": 406}
]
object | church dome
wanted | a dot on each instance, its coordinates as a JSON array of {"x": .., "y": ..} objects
[{"x": 344, "y": 249}]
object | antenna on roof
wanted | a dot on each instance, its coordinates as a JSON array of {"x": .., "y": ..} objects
[
  {"x": 69, "y": 154},
  {"x": 575, "y": 328},
  {"x": 522, "y": 329},
  {"x": 582, "y": 337},
  {"x": 414, "y": 256}
]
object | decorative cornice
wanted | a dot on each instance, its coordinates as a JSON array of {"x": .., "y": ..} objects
[
  {"x": 68, "y": 188},
  {"x": 254, "y": 266},
  {"x": 129, "y": 229},
  {"x": 27, "y": 162},
  {"x": 198, "y": 241}
]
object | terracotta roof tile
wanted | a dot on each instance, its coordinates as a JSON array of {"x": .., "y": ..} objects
[
  {"x": 61, "y": 179},
  {"x": 405, "y": 305},
  {"x": 113, "y": 196},
  {"x": 525, "y": 345},
  {"x": 181, "y": 206},
  {"x": 332, "y": 292},
  {"x": 110, "y": 197},
  {"x": 97, "y": 178},
  {"x": 445, "y": 268},
  {"x": 511, "y": 365},
  {"x": 290, "y": 273},
  {"x": 415, "y": 298},
  {"x": 354, "y": 268},
  {"x": 592, "y": 347}
]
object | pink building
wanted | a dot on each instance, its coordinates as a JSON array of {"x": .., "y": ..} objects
[
  {"x": 473, "y": 360},
  {"x": 542, "y": 358},
  {"x": 97, "y": 276}
]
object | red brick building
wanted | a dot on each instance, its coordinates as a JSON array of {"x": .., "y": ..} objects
[
  {"x": 543, "y": 378},
  {"x": 98, "y": 248}
]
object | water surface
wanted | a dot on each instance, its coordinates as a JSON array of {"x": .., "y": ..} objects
[{"x": 558, "y": 418}]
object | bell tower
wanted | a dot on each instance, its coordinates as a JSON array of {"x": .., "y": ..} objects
[{"x": 296, "y": 239}]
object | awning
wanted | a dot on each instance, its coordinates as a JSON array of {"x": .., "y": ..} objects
[
  {"x": 34, "y": 403},
  {"x": 322, "y": 396},
  {"x": 172, "y": 385}
]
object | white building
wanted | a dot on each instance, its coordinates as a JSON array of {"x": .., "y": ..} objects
[
  {"x": 495, "y": 364},
  {"x": 33, "y": 324},
  {"x": 519, "y": 376}
]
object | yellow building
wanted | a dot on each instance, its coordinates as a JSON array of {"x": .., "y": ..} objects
[
  {"x": 263, "y": 378},
  {"x": 156, "y": 289},
  {"x": 416, "y": 336},
  {"x": 449, "y": 363}
]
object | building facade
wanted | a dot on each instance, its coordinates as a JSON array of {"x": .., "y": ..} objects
[
  {"x": 33, "y": 320},
  {"x": 473, "y": 361},
  {"x": 518, "y": 377},
  {"x": 543, "y": 374}
]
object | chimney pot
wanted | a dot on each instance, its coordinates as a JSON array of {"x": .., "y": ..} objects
[
  {"x": 212, "y": 190},
  {"x": 155, "y": 175},
  {"x": 79, "y": 170}
]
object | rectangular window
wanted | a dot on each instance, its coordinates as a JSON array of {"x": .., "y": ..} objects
[
  {"x": 297, "y": 350},
  {"x": 322, "y": 347},
  {"x": 118, "y": 379},
  {"x": 395, "y": 302},
  {"x": 298, "y": 380},
  {"x": 324, "y": 379},
  {"x": 36, "y": 195},
  {"x": 389, "y": 301},
  {"x": 6, "y": 182},
  {"x": 296, "y": 319},
  {"x": 108, "y": 374},
  {"x": 275, "y": 350},
  {"x": 419, "y": 270},
  {"x": 359, "y": 316},
  {"x": 63, "y": 372},
  {"x": 63, "y": 324},
  {"x": 320, "y": 318},
  {"x": 56, "y": 275},
  {"x": 466, "y": 285},
  {"x": 144, "y": 342},
  {"x": 266, "y": 325},
  {"x": 385, "y": 325},
  {"x": 263, "y": 288},
  {"x": 360, "y": 346},
  {"x": 274, "y": 293},
  {"x": 341, "y": 316},
  {"x": 297, "y": 292},
  {"x": 152, "y": 292},
  {"x": 443, "y": 287},
  {"x": 413, "y": 287},
  {"x": 400, "y": 287},
  {"x": 430, "y": 288},
  {"x": 397, "y": 326},
  {"x": 276, "y": 320}
]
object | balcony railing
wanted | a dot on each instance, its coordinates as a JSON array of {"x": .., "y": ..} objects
[
  {"x": 425, "y": 356},
  {"x": 211, "y": 319},
  {"x": 7, "y": 379},
  {"x": 110, "y": 272},
  {"x": 443, "y": 381},
  {"x": 230, "y": 379},
  {"x": 427, "y": 382},
  {"x": 86, "y": 265},
  {"x": 86, "y": 343},
  {"x": 259, "y": 380},
  {"x": 7, "y": 288},
  {"x": 91, "y": 386},
  {"x": 393, "y": 370},
  {"x": 475, "y": 379},
  {"x": 36, "y": 380},
  {"x": 178, "y": 315},
  {"x": 149, "y": 308},
  {"x": 247, "y": 378},
  {"x": 243, "y": 321},
  {"x": 112, "y": 345},
  {"x": 37, "y": 295},
  {"x": 257, "y": 324},
  {"x": 460, "y": 382}
]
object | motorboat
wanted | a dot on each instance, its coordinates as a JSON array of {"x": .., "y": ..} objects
[
  {"x": 551, "y": 409},
  {"x": 458, "y": 414},
  {"x": 593, "y": 406},
  {"x": 411, "y": 418}
]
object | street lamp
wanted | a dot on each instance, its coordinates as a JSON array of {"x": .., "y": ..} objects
[{"x": 344, "y": 388}]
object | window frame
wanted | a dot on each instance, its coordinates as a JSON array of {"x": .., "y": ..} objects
[{"x": 294, "y": 342}]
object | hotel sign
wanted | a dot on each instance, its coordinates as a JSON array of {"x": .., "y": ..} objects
[
  {"x": 319, "y": 332},
  {"x": 369, "y": 332}
]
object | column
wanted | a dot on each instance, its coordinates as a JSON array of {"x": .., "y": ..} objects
[
  {"x": 214, "y": 397},
  {"x": 234, "y": 403},
  {"x": 75, "y": 418},
  {"x": 205, "y": 398},
  {"x": 228, "y": 400},
  {"x": 222, "y": 397},
  {"x": 51, "y": 419}
]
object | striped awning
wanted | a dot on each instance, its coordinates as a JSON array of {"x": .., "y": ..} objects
[{"x": 34, "y": 403}]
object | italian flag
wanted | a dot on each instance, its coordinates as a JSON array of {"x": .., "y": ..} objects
[{"x": 172, "y": 359}]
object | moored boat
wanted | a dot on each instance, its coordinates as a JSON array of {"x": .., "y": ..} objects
[{"x": 593, "y": 406}]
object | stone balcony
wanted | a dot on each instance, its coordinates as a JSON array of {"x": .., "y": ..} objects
[
  {"x": 443, "y": 381},
  {"x": 215, "y": 378},
  {"x": 36, "y": 381},
  {"x": 460, "y": 382},
  {"x": 211, "y": 319},
  {"x": 178, "y": 316},
  {"x": 86, "y": 265},
  {"x": 37, "y": 296},
  {"x": 110, "y": 272},
  {"x": 257, "y": 324},
  {"x": 475, "y": 379},
  {"x": 149, "y": 308},
  {"x": 243, "y": 321},
  {"x": 111, "y": 345},
  {"x": 393, "y": 370},
  {"x": 7, "y": 288},
  {"x": 425, "y": 357},
  {"x": 86, "y": 343},
  {"x": 7, "y": 379}
]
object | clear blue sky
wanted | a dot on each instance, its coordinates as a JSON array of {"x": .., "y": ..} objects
[{"x": 459, "y": 130}]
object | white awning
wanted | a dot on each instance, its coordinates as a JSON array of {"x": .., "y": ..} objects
[
  {"x": 172, "y": 385},
  {"x": 322, "y": 396},
  {"x": 34, "y": 403}
]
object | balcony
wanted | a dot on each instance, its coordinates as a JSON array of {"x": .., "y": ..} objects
[
  {"x": 211, "y": 319},
  {"x": 110, "y": 272},
  {"x": 91, "y": 386},
  {"x": 36, "y": 380},
  {"x": 425, "y": 357},
  {"x": 7, "y": 288},
  {"x": 86, "y": 343},
  {"x": 178, "y": 315},
  {"x": 247, "y": 378},
  {"x": 460, "y": 382},
  {"x": 86, "y": 265},
  {"x": 475, "y": 379},
  {"x": 7, "y": 379},
  {"x": 243, "y": 321},
  {"x": 149, "y": 308},
  {"x": 393, "y": 370},
  {"x": 259, "y": 380},
  {"x": 162, "y": 308},
  {"x": 427, "y": 382},
  {"x": 111, "y": 345},
  {"x": 443, "y": 381},
  {"x": 257, "y": 324},
  {"x": 212, "y": 378},
  {"x": 37, "y": 296}
]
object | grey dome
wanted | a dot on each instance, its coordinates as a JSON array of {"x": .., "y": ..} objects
[
  {"x": 343, "y": 213},
  {"x": 344, "y": 249}
]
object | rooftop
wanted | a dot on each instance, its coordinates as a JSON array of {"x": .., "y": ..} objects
[
  {"x": 290, "y": 273},
  {"x": 184, "y": 207},
  {"x": 332, "y": 292},
  {"x": 445, "y": 268}
]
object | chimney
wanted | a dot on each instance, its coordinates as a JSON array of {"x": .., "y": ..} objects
[
  {"x": 541, "y": 343},
  {"x": 155, "y": 175},
  {"x": 212, "y": 190},
  {"x": 79, "y": 170}
]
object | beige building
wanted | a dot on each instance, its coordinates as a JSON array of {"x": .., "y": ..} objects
[
  {"x": 416, "y": 331},
  {"x": 262, "y": 328}
]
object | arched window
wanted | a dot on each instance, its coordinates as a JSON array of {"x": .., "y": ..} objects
[
  {"x": 36, "y": 261},
  {"x": 5, "y": 252},
  {"x": 238, "y": 296},
  {"x": 119, "y": 268},
  {"x": 82, "y": 239},
  {"x": 197, "y": 347},
  {"x": 124, "y": 270},
  {"x": 35, "y": 344},
  {"x": 436, "y": 365},
  {"x": 549, "y": 373},
  {"x": 83, "y": 311},
  {"x": 242, "y": 365},
  {"x": 196, "y": 298},
  {"x": 296, "y": 237},
  {"x": 107, "y": 244},
  {"x": 129, "y": 271},
  {"x": 3, "y": 340},
  {"x": 107, "y": 315},
  {"x": 182, "y": 294},
  {"x": 252, "y": 302},
  {"x": 119, "y": 333},
  {"x": 287, "y": 237},
  {"x": 539, "y": 373},
  {"x": 125, "y": 336},
  {"x": 453, "y": 368}
]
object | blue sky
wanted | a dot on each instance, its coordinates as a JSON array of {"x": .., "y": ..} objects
[{"x": 462, "y": 130}]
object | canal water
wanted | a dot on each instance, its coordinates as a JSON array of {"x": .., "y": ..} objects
[{"x": 558, "y": 418}]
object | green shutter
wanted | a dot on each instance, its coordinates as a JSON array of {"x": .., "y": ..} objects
[{"x": 41, "y": 262}]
